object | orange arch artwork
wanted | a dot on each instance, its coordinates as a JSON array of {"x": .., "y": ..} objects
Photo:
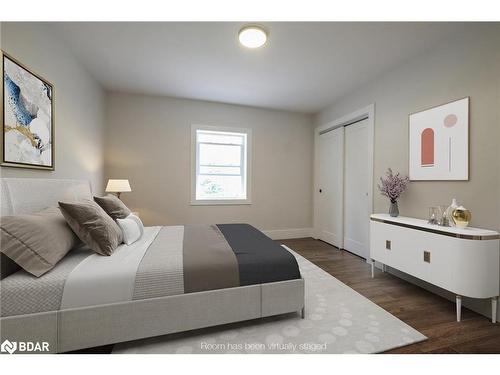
[{"x": 427, "y": 147}]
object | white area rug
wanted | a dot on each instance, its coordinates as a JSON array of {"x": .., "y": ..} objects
[{"x": 338, "y": 320}]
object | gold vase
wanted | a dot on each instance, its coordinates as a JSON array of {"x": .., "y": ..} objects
[{"x": 461, "y": 216}]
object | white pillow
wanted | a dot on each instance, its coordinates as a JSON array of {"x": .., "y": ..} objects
[
  {"x": 138, "y": 221},
  {"x": 131, "y": 229}
]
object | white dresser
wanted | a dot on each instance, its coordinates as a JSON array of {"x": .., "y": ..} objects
[{"x": 463, "y": 261}]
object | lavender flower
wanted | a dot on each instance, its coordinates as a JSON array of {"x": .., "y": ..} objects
[{"x": 393, "y": 186}]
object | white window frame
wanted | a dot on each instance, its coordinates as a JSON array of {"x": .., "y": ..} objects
[{"x": 247, "y": 166}]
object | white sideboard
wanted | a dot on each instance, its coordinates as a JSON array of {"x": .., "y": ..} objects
[{"x": 465, "y": 261}]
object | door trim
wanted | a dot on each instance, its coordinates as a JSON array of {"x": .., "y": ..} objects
[{"x": 367, "y": 113}]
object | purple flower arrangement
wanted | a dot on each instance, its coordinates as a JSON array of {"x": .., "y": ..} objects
[{"x": 393, "y": 185}]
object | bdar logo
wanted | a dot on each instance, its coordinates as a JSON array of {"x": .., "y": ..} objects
[
  {"x": 8, "y": 346},
  {"x": 24, "y": 346}
]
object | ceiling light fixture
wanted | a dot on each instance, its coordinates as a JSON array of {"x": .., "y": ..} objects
[{"x": 252, "y": 36}]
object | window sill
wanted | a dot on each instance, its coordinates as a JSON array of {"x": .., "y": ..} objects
[{"x": 230, "y": 202}]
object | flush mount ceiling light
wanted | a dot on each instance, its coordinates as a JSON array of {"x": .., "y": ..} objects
[{"x": 252, "y": 36}]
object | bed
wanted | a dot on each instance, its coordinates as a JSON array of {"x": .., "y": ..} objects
[{"x": 174, "y": 279}]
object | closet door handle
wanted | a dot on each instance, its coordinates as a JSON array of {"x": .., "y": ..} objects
[{"x": 320, "y": 190}]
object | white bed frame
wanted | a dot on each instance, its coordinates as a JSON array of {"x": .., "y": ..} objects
[{"x": 79, "y": 328}]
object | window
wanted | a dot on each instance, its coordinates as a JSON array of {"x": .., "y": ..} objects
[{"x": 221, "y": 165}]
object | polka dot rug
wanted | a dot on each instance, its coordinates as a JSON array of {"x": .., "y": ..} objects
[{"x": 338, "y": 320}]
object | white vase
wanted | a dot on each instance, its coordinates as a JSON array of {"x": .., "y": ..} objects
[{"x": 449, "y": 212}]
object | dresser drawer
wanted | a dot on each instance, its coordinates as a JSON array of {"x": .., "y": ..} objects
[
  {"x": 437, "y": 260},
  {"x": 389, "y": 246},
  {"x": 378, "y": 238},
  {"x": 416, "y": 253},
  {"x": 406, "y": 252}
]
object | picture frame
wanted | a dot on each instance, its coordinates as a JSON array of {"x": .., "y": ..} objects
[
  {"x": 28, "y": 121},
  {"x": 439, "y": 142}
]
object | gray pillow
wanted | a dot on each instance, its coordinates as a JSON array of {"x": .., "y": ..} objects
[
  {"x": 113, "y": 206},
  {"x": 36, "y": 242},
  {"x": 93, "y": 226}
]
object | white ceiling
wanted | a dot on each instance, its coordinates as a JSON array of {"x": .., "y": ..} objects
[{"x": 304, "y": 67}]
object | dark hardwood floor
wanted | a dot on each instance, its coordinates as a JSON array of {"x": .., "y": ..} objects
[{"x": 428, "y": 313}]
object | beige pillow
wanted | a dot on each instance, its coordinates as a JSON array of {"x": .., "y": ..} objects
[
  {"x": 113, "y": 206},
  {"x": 93, "y": 226},
  {"x": 36, "y": 242}
]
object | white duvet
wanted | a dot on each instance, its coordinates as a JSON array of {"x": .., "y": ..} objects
[{"x": 102, "y": 280}]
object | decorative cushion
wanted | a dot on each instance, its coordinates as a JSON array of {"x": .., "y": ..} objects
[
  {"x": 138, "y": 221},
  {"x": 131, "y": 229},
  {"x": 113, "y": 206},
  {"x": 36, "y": 242},
  {"x": 93, "y": 226}
]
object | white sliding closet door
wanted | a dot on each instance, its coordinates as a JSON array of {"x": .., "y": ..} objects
[
  {"x": 329, "y": 193},
  {"x": 357, "y": 182}
]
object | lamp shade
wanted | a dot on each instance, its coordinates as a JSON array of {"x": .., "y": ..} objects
[{"x": 118, "y": 186}]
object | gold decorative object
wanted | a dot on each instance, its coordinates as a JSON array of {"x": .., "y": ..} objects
[{"x": 461, "y": 216}]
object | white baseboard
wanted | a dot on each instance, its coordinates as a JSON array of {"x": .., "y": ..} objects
[{"x": 284, "y": 234}]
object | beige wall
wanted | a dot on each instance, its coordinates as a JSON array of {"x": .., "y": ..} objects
[
  {"x": 148, "y": 142},
  {"x": 466, "y": 66},
  {"x": 469, "y": 65},
  {"x": 79, "y": 103}
]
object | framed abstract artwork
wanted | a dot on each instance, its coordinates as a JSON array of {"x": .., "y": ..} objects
[
  {"x": 439, "y": 142},
  {"x": 28, "y": 117}
]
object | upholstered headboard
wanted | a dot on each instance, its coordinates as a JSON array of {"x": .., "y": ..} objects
[{"x": 29, "y": 195}]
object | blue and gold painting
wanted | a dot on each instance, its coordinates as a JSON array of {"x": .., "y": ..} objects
[{"x": 28, "y": 118}]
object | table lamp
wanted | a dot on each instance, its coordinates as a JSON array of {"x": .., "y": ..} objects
[{"x": 118, "y": 187}]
